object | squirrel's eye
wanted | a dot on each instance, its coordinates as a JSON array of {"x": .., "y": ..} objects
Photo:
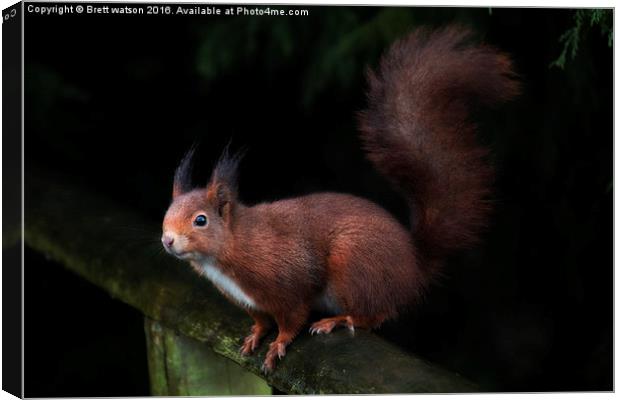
[{"x": 200, "y": 220}]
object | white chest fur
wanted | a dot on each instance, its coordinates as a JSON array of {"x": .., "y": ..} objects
[{"x": 222, "y": 281}]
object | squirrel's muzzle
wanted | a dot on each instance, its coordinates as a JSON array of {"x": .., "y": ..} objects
[{"x": 167, "y": 240}]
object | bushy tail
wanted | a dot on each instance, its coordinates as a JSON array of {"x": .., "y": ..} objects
[{"x": 418, "y": 133}]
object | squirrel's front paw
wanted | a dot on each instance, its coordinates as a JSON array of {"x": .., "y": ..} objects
[
  {"x": 250, "y": 344},
  {"x": 276, "y": 349},
  {"x": 252, "y": 341}
]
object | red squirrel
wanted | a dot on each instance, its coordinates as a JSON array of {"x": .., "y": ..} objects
[{"x": 342, "y": 254}]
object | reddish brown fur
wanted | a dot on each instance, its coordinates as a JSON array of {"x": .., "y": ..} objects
[
  {"x": 338, "y": 250},
  {"x": 418, "y": 134}
]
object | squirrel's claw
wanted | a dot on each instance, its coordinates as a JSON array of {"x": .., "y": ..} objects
[{"x": 267, "y": 368}]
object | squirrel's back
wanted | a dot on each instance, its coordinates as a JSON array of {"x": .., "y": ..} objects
[{"x": 362, "y": 259}]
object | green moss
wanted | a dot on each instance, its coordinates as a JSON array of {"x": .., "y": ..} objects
[{"x": 181, "y": 366}]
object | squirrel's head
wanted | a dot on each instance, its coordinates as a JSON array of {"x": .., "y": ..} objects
[{"x": 198, "y": 222}]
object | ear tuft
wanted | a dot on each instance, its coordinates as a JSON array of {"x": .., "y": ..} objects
[
  {"x": 226, "y": 170},
  {"x": 183, "y": 174}
]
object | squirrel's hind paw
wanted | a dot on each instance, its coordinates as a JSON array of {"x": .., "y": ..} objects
[{"x": 326, "y": 325}]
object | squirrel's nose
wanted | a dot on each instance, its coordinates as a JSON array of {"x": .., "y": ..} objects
[{"x": 167, "y": 240}]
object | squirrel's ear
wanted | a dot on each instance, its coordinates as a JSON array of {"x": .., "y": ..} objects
[
  {"x": 222, "y": 198},
  {"x": 183, "y": 174}
]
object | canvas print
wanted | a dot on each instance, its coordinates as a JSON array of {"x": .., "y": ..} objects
[{"x": 314, "y": 199}]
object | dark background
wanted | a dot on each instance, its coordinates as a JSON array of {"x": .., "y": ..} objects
[{"x": 113, "y": 103}]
